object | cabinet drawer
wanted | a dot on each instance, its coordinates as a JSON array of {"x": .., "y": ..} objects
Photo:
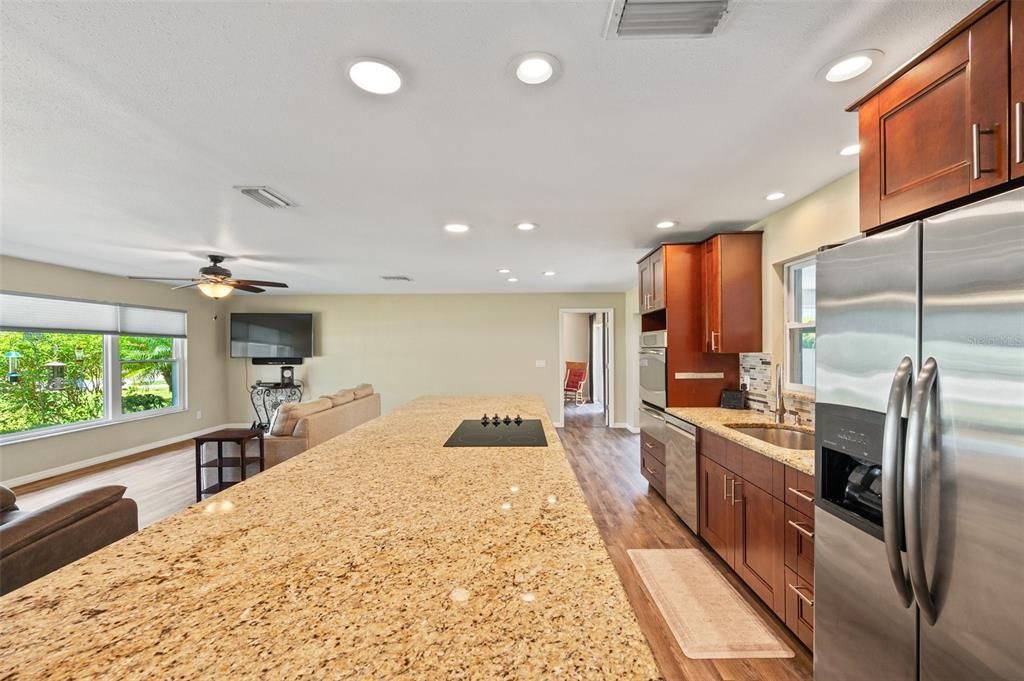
[
  {"x": 800, "y": 545},
  {"x": 800, "y": 491},
  {"x": 652, "y": 448},
  {"x": 800, "y": 608},
  {"x": 654, "y": 471}
]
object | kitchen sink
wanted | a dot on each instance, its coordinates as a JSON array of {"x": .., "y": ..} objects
[{"x": 781, "y": 436}]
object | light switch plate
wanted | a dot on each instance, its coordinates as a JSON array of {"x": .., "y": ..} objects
[{"x": 540, "y": 363}]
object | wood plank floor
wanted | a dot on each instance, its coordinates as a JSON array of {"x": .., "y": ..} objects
[
  {"x": 607, "y": 465},
  {"x": 161, "y": 485}
]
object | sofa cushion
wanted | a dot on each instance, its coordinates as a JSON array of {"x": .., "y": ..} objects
[
  {"x": 341, "y": 397},
  {"x": 363, "y": 390},
  {"x": 7, "y": 500},
  {"x": 289, "y": 414}
]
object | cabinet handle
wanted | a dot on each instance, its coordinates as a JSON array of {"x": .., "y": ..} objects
[
  {"x": 799, "y": 591},
  {"x": 648, "y": 445},
  {"x": 713, "y": 334},
  {"x": 806, "y": 496},
  {"x": 976, "y": 132},
  {"x": 801, "y": 529},
  {"x": 725, "y": 484},
  {"x": 733, "y": 492},
  {"x": 1018, "y": 118}
]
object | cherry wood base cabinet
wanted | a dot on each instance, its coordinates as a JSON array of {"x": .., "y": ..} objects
[
  {"x": 745, "y": 519},
  {"x": 939, "y": 129}
]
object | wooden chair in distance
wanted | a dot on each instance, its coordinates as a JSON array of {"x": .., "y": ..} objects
[{"x": 575, "y": 377}]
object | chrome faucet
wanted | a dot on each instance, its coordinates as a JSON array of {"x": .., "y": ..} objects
[{"x": 780, "y": 402}]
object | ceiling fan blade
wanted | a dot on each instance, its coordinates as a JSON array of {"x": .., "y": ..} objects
[
  {"x": 257, "y": 282},
  {"x": 194, "y": 283},
  {"x": 164, "y": 278},
  {"x": 245, "y": 287}
]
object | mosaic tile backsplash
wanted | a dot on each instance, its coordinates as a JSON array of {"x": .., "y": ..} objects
[{"x": 757, "y": 375}]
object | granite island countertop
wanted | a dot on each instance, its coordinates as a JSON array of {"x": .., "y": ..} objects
[
  {"x": 376, "y": 555},
  {"x": 714, "y": 420}
]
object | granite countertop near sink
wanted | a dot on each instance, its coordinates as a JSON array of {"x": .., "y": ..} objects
[
  {"x": 379, "y": 554},
  {"x": 714, "y": 420}
]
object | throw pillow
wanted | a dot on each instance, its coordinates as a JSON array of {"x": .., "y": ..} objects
[{"x": 363, "y": 390}]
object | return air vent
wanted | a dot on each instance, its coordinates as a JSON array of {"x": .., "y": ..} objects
[
  {"x": 267, "y": 196},
  {"x": 395, "y": 277},
  {"x": 665, "y": 18}
]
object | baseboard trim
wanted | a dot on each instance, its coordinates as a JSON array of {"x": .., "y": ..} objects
[
  {"x": 632, "y": 429},
  {"x": 104, "y": 458}
]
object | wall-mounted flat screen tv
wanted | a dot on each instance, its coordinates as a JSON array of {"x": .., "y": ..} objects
[{"x": 271, "y": 335}]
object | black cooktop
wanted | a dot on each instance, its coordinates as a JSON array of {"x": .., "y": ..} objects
[{"x": 497, "y": 432}]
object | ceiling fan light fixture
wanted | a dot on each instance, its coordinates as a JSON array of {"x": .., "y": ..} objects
[{"x": 215, "y": 289}]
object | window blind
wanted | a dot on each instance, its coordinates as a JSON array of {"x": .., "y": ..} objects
[{"x": 24, "y": 312}]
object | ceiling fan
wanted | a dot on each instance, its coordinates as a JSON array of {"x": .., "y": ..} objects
[{"x": 216, "y": 282}]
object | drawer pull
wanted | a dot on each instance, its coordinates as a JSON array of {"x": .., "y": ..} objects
[
  {"x": 733, "y": 492},
  {"x": 649, "y": 470},
  {"x": 801, "y": 528},
  {"x": 799, "y": 591},
  {"x": 648, "y": 445},
  {"x": 806, "y": 496}
]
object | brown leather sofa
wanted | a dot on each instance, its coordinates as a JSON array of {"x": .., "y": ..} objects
[{"x": 35, "y": 543}]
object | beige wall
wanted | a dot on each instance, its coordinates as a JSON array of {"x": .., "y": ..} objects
[
  {"x": 829, "y": 215},
  {"x": 576, "y": 342},
  {"x": 413, "y": 345},
  {"x": 205, "y": 365}
]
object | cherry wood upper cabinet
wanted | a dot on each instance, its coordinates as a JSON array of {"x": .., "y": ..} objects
[
  {"x": 939, "y": 130},
  {"x": 732, "y": 293},
  {"x": 652, "y": 281},
  {"x": 1017, "y": 88}
]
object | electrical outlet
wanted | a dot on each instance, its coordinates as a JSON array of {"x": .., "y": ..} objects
[
  {"x": 199, "y": 414},
  {"x": 540, "y": 363}
]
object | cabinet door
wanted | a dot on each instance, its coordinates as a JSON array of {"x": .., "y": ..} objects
[
  {"x": 716, "y": 511},
  {"x": 712, "y": 294},
  {"x": 646, "y": 284},
  {"x": 938, "y": 132},
  {"x": 1017, "y": 88},
  {"x": 760, "y": 544},
  {"x": 800, "y": 608},
  {"x": 657, "y": 266}
]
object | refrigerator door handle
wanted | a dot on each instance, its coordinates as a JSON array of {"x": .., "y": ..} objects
[
  {"x": 923, "y": 400},
  {"x": 892, "y": 479}
]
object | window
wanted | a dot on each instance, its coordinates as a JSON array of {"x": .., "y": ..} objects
[
  {"x": 79, "y": 364},
  {"x": 801, "y": 287}
]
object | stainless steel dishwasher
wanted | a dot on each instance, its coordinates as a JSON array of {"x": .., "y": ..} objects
[{"x": 681, "y": 469}]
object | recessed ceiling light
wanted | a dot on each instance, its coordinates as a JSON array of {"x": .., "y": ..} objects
[
  {"x": 511, "y": 280},
  {"x": 456, "y": 227},
  {"x": 666, "y": 224},
  {"x": 850, "y": 66},
  {"x": 775, "y": 196},
  {"x": 851, "y": 150},
  {"x": 549, "y": 273},
  {"x": 504, "y": 270},
  {"x": 536, "y": 68},
  {"x": 526, "y": 226},
  {"x": 374, "y": 75}
]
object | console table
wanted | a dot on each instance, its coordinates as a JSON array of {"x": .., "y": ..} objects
[
  {"x": 267, "y": 397},
  {"x": 239, "y": 436}
]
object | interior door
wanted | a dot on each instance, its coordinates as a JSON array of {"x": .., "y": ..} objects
[
  {"x": 606, "y": 398},
  {"x": 972, "y": 455}
]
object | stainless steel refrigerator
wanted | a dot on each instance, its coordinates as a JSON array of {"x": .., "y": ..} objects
[{"x": 919, "y": 519}]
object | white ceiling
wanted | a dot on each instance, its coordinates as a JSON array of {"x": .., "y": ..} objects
[{"x": 125, "y": 127}]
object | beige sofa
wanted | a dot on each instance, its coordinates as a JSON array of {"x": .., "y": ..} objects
[{"x": 298, "y": 427}]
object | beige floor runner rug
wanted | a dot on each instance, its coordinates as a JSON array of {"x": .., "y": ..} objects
[{"x": 707, "y": 616}]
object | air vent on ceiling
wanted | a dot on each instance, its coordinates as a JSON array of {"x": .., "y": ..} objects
[
  {"x": 395, "y": 277},
  {"x": 267, "y": 196},
  {"x": 665, "y": 18}
]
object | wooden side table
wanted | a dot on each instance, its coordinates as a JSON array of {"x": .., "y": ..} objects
[{"x": 239, "y": 436}]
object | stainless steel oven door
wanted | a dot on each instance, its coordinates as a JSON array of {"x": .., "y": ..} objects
[{"x": 652, "y": 377}]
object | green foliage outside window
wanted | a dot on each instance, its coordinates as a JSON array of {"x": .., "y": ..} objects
[{"x": 32, "y": 401}]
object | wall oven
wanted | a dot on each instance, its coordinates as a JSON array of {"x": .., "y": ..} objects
[{"x": 653, "y": 346}]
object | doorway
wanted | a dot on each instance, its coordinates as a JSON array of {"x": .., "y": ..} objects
[{"x": 585, "y": 340}]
